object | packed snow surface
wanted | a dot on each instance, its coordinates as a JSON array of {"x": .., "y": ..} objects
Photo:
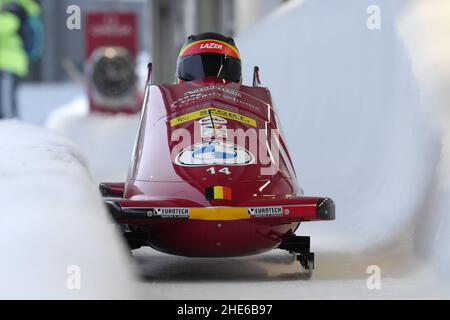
[{"x": 57, "y": 240}]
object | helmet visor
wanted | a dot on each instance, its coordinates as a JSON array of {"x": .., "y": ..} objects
[{"x": 198, "y": 66}]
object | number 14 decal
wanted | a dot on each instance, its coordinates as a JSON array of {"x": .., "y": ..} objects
[{"x": 224, "y": 170}]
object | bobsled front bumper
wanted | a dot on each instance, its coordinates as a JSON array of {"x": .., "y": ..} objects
[{"x": 271, "y": 211}]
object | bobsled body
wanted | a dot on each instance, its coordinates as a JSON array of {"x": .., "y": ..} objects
[{"x": 210, "y": 174}]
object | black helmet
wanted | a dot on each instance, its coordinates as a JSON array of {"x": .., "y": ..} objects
[{"x": 209, "y": 54}]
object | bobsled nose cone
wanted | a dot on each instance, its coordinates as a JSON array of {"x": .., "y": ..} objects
[{"x": 325, "y": 209}]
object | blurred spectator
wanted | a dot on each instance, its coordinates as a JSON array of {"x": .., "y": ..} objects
[{"x": 21, "y": 40}]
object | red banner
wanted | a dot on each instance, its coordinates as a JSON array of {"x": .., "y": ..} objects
[{"x": 111, "y": 29}]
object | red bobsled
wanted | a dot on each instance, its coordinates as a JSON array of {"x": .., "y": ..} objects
[{"x": 211, "y": 176}]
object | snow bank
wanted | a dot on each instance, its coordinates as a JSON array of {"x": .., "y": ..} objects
[
  {"x": 54, "y": 226},
  {"x": 105, "y": 140}
]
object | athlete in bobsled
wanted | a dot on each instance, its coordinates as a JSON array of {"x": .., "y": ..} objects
[
  {"x": 210, "y": 174},
  {"x": 209, "y": 55}
]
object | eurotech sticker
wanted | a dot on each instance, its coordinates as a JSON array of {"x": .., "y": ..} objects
[
  {"x": 265, "y": 211},
  {"x": 212, "y": 112},
  {"x": 214, "y": 152},
  {"x": 169, "y": 212}
]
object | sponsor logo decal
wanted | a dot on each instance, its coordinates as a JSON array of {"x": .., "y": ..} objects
[
  {"x": 211, "y": 45},
  {"x": 213, "y": 127},
  {"x": 265, "y": 211},
  {"x": 214, "y": 152},
  {"x": 169, "y": 212},
  {"x": 214, "y": 112},
  {"x": 207, "y": 45},
  {"x": 214, "y": 87}
]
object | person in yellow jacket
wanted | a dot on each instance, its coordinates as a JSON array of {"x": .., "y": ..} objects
[{"x": 20, "y": 34}]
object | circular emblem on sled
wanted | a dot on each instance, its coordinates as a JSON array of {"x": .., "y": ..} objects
[{"x": 214, "y": 152}]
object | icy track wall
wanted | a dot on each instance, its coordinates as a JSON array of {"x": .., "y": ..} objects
[
  {"x": 54, "y": 227},
  {"x": 106, "y": 140},
  {"x": 426, "y": 30},
  {"x": 359, "y": 110}
]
